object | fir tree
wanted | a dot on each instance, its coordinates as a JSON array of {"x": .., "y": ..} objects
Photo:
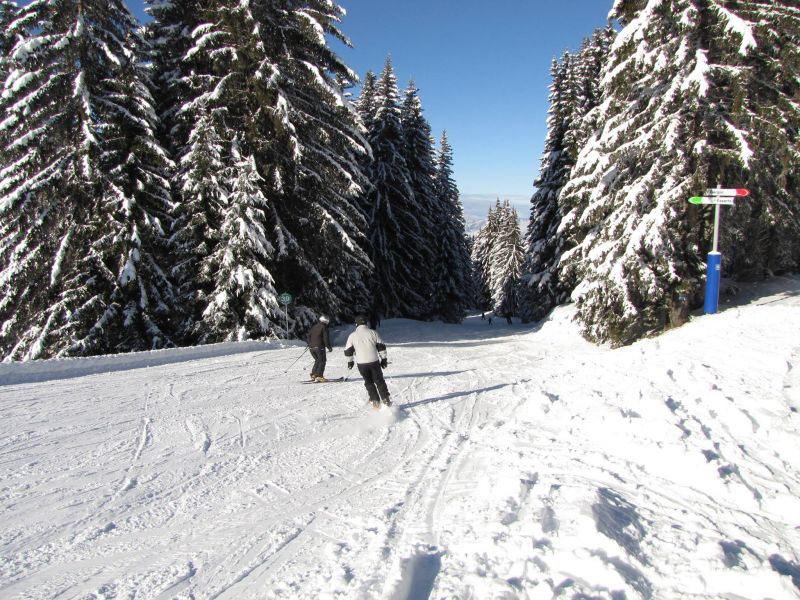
[
  {"x": 140, "y": 202},
  {"x": 191, "y": 140},
  {"x": 366, "y": 100},
  {"x": 319, "y": 207},
  {"x": 365, "y": 105},
  {"x": 574, "y": 92},
  {"x": 760, "y": 94},
  {"x": 84, "y": 197},
  {"x": 540, "y": 291},
  {"x": 395, "y": 242},
  {"x": 242, "y": 302},
  {"x": 429, "y": 207},
  {"x": 693, "y": 96},
  {"x": 170, "y": 38},
  {"x": 453, "y": 288},
  {"x": 262, "y": 73},
  {"x": 8, "y": 13},
  {"x": 583, "y": 85},
  {"x": 506, "y": 261},
  {"x": 482, "y": 250},
  {"x": 204, "y": 190}
]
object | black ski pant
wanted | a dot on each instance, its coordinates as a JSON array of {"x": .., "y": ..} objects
[
  {"x": 320, "y": 358},
  {"x": 373, "y": 381}
]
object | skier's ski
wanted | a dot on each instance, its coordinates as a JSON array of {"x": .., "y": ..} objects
[
  {"x": 377, "y": 405},
  {"x": 337, "y": 380}
]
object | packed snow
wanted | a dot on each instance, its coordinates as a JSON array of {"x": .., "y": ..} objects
[{"x": 518, "y": 461}]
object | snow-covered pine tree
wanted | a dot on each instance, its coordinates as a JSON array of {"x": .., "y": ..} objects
[
  {"x": 365, "y": 104},
  {"x": 140, "y": 204},
  {"x": 169, "y": 34},
  {"x": 191, "y": 141},
  {"x": 263, "y": 71},
  {"x": 574, "y": 92},
  {"x": 418, "y": 149},
  {"x": 761, "y": 93},
  {"x": 8, "y": 13},
  {"x": 84, "y": 200},
  {"x": 453, "y": 286},
  {"x": 394, "y": 231},
  {"x": 481, "y": 256},
  {"x": 323, "y": 261},
  {"x": 203, "y": 189},
  {"x": 539, "y": 291},
  {"x": 584, "y": 83},
  {"x": 506, "y": 262},
  {"x": 474, "y": 280},
  {"x": 696, "y": 94},
  {"x": 242, "y": 301}
]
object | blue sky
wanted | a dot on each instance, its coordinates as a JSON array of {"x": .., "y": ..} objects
[{"x": 483, "y": 70}]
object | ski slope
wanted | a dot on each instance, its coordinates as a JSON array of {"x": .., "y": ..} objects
[{"x": 518, "y": 462}]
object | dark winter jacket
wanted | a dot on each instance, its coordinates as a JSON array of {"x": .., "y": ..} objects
[{"x": 318, "y": 337}]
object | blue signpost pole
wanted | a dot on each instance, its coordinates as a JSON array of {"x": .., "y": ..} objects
[
  {"x": 713, "y": 275},
  {"x": 714, "y": 271}
]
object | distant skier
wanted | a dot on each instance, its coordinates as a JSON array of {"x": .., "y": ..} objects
[
  {"x": 318, "y": 341},
  {"x": 374, "y": 319},
  {"x": 367, "y": 348}
]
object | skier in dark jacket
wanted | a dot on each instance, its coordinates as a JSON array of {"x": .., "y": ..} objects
[
  {"x": 318, "y": 341},
  {"x": 374, "y": 319},
  {"x": 365, "y": 347}
]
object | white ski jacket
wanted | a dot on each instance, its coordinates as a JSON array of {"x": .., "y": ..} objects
[{"x": 366, "y": 344}]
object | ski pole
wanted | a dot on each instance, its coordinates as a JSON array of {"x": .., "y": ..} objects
[{"x": 296, "y": 359}]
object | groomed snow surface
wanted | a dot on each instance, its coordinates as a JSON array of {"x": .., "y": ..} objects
[{"x": 518, "y": 462}]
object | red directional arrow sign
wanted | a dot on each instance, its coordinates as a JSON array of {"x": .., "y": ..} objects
[{"x": 727, "y": 192}]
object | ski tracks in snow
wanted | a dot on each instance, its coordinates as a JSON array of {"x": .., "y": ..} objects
[{"x": 505, "y": 471}]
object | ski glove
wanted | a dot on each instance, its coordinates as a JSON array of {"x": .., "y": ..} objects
[
  {"x": 349, "y": 364},
  {"x": 384, "y": 363}
]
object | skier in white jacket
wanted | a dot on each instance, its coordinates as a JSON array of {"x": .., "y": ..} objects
[{"x": 367, "y": 348}]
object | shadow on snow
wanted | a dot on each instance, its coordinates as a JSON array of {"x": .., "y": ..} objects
[{"x": 452, "y": 395}]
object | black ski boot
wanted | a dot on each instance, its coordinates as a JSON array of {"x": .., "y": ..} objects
[{"x": 387, "y": 401}]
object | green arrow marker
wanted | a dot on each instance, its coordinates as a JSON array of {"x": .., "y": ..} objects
[{"x": 696, "y": 200}]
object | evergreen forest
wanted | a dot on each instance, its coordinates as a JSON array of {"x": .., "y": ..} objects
[
  {"x": 162, "y": 185},
  {"x": 682, "y": 96}
]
